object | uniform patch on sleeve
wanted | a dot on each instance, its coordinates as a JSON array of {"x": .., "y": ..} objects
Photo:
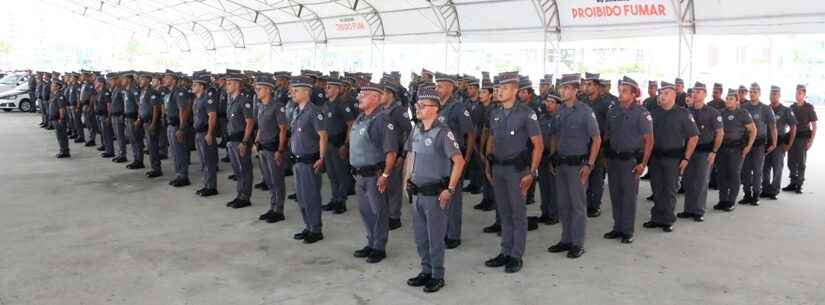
[
  {"x": 593, "y": 114},
  {"x": 719, "y": 119},
  {"x": 283, "y": 109},
  {"x": 180, "y": 93},
  {"x": 649, "y": 118},
  {"x": 534, "y": 117},
  {"x": 691, "y": 118},
  {"x": 455, "y": 144},
  {"x": 450, "y": 135},
  {"x": 406, "y": 115},
  {"x": 347, "y": 109}
]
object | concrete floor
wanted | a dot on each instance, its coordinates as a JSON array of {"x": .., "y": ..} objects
[{"x": 88, "y": 231}]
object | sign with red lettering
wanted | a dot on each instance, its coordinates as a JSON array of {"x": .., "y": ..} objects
[
  {"x": 607, "y": 12},
  {"x": 351, "y": 25}
]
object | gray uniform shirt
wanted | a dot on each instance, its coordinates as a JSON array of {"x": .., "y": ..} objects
[
  {"x": 432, "y": 150},
  {"x": 174, "y": 102},
  {"x": 511, "y": 130},
  {"x": 305, "y": 126},
  {"x": 804, "y": 114},
  {"x": 201, "y": 108},
  {"x": 371, "y": 138},
  {"x": 762, "y": 116},
  {"x": 149, "y": 98},
  {"x": 785, "y": 119},
  {"x": 734, "y": 122},
  {"x": 457, "y": 118},
  {"x": 577, "y": 125},
  {"x": 626, "y": 127},
  {"x": 270, "y": 117},
  {"x": 117, "y": 102},
  {"x": 238, "y": 110},
  {"x": 672, "y": 128},
  {"x": 707, "y": 121},
  {"x": 130, "y": 101}
]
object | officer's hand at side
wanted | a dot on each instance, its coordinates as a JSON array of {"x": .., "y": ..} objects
[
  {"x": 382, "y": 184},
  {"x": 787, "y": 147},
  {"x": 488, "y": 174},
  {"x": 639, "y": 169},
  {"x": 242, "y": 149},
  {"x": 771, "y": 148},
  {"x": 278, "y": 157},
  {"x": 343, "y": 152},
  {"x": 711, "y": 158},
  {"x": 682, "y": 165},
  {"x": 209, "y": 139},
  {"x": 444, "y": 198},
  {"x": 525, "y": 183},
  {"x": 318, "y": 165},
  {"x": 584, "y": 173},
  {"x": 179, "y": 136},
  {"x": 745, "y": 151},
  {"x": 808, "y": 145}
]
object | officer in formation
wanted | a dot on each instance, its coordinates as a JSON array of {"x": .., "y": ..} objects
[
  {"x": 557, "y": 142},
  {"x": 309, "y": 138},
  {"x": 628, "y": 146},
  {"x": 601, "y": 103},
  {"x": 433, "y": 172},
  {"x": 205, "y": 126},
  {"x": 177, "y": 107},
  {"x": 711, "y": 133},
  {"x": 578, "y": 142},
  {"x": 454, "y": 113},
  {"x": 785, "y": 135},
  {"x": 239, "y": 132},
  {"x": 396, "y": 112},
  {"x": 765, "y": 121},
  {"x": 739, "y": 136},
  {"x": 805, "y": 134},
  {"x": 43, "y": 94},
  {"x": 514, "y": 151},
  {"x": 340, "y": 112},
  {"x": 676, "y": 135},
  {"x": 372, "y": 155}
]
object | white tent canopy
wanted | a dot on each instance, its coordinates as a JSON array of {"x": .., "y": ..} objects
[{"x": 213, "y": 24}]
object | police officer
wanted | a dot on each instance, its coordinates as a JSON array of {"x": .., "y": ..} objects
[
  {"x": 145, "y": 101},
  {"x": 45, "y": 97},
  {"x": 103, "y": 104},
  {"x": 373, "y": 151},
  {"x": 58, "y": 115},
  {"x": 177, "y": 106},
  {"x": 396, "y": 113},
  {"x": 805, "y": 134},
  {"x": 87, "y": 91},
  {"x": 205, "y": 126},
  {"x": 514, "y": 150},
  {"x": 547, "y": 178},
  {"x": 711, "y": 133},
  {"x": 765, "y": 121},
  {"x": 272, "y": 142},
  {"x": 239, "y": 130},
  {"x": 433, "y": 171},
  {"x": 116, "y": 116},
  {"x": 74, "y": 123},
  {"x": 601, "y": 104},
  {"x": 151, "y": 109},
  {"x": 475, "y": 170},
  {"x": 740, "y": 134},
  {"x": 628, "y": 145},
  {"x": 485, "y": 100},
  {"x": 130, "y": 94},
  {"x": 718, "y": 103},
  {"x": 578, "y": 141},
  {"x": 309, "y": 138},
  {"x": 785, "y": 135},
  {"x": 527, "y": 96},
  {"x": 457, "y": 118},
  {"x": 340, "y": 113},
  {"x": 681, "y": 95},
  {"x": 675, "y": 137},
  {"x": 652, "y": 100}
]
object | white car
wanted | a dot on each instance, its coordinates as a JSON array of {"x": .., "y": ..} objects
[
  {"x": 13, "y": 80},
  {"x": 17, "y": 98}
]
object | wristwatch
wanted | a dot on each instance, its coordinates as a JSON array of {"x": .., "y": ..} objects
[
  {"x": 451, "y": 190},
  {"x": 534, "y": 173},
  {"x": 385, "y": 175}
]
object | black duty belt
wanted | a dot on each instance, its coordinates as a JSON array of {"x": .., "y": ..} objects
[
  {"x": 573, "y": 160},
  {"x": 270, "y": 146},
  {"x": 760, "y": 141},
  {"x": 368, "y": 171},
  {"x": 338, "y": 139},
  {"x": 803, "y": 134},
  {"x": 130, "y": 115},
  {"x": 117, "y": 113},
  {"x": 675, "y": 153},
  {"x": 520, "y": 161},
  {"x": 624, "y": 156},
  {"x": 202, "y": 128},
  {"x": 306, "y": 159},
  {"x": 705, "y": 147},
  {"x": 235, "y": 137},
  {"x": 733, "y": 144},
  {"x": 429, "y": 189},
  {"x": 172, "y": 121}
]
